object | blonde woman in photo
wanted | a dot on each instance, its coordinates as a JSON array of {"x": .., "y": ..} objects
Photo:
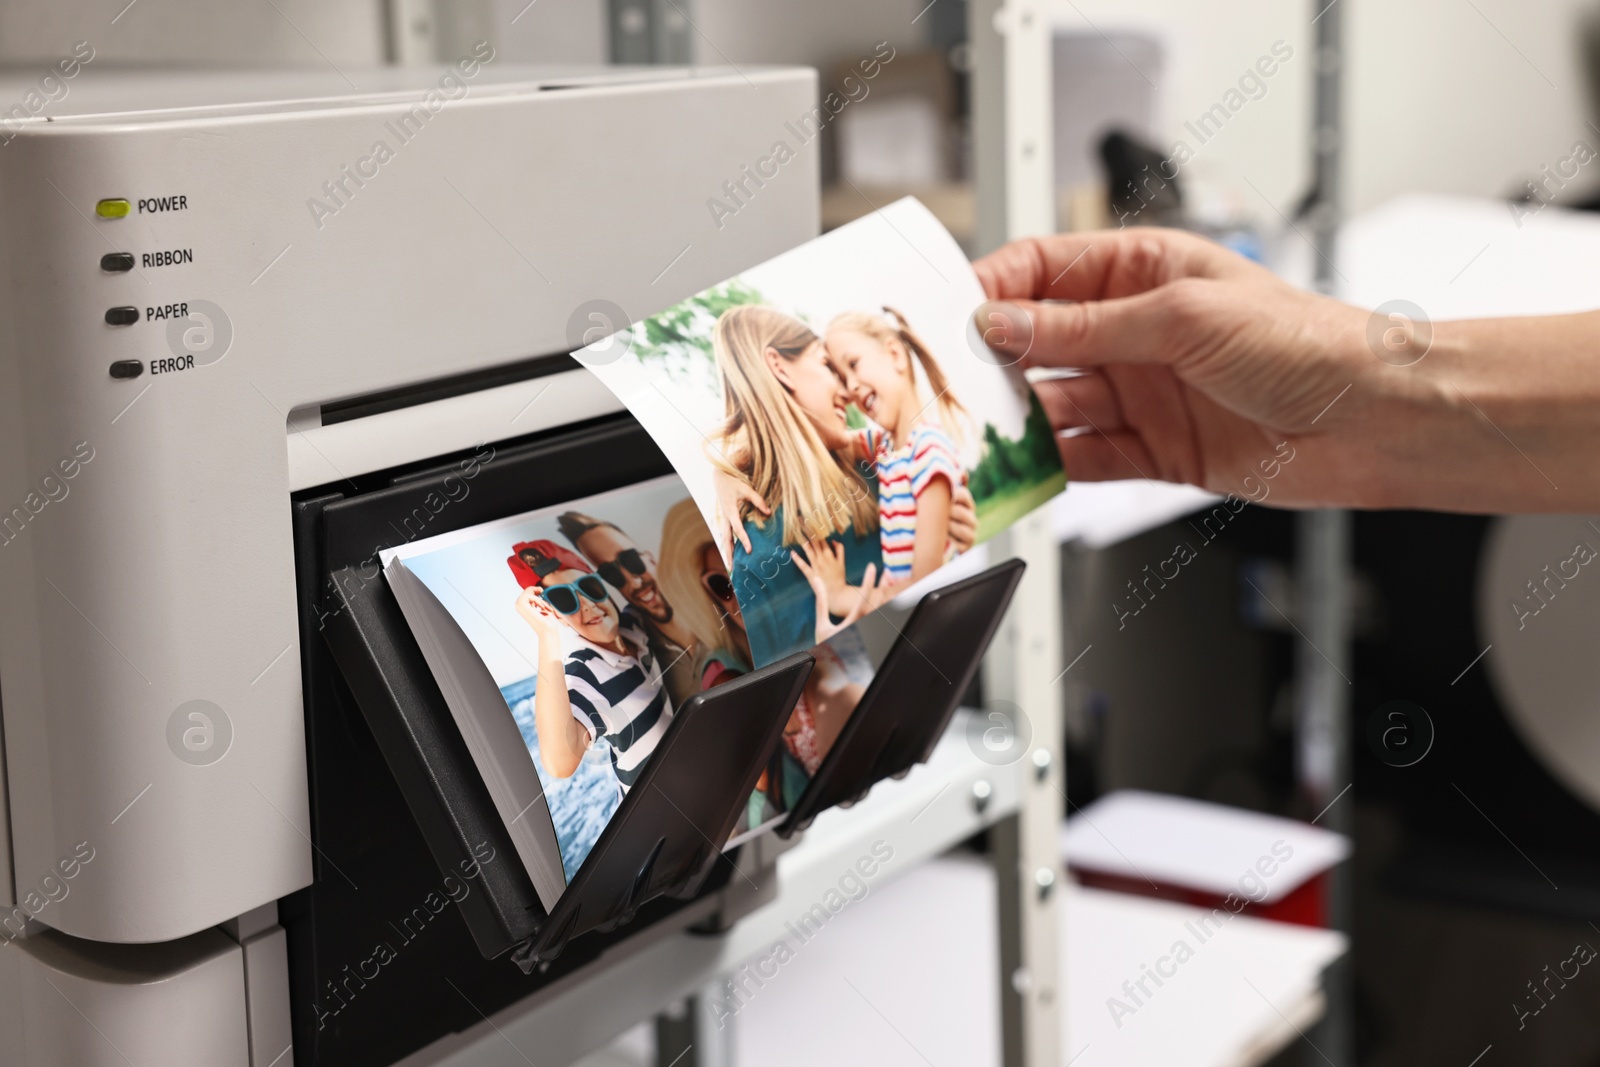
[
  {"x": 695, "y": 581},
  {"x": 789, "y": 477}
]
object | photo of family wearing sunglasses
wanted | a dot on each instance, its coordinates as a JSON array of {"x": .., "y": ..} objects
[
  {"x": 838, "y": 420},
  {"x": 598, "y": 619}
]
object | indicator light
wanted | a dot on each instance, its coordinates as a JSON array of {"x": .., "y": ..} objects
[
  {"x": 127, "y": 368},
  {"x": 116, "y": 262},
  {"x": 123, "y": 316},
  {"x": 115, "y": 208}
]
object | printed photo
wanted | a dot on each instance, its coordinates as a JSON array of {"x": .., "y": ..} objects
[
  {"x": 838, "y": 421},
  {"x": 597, "y": 620}
]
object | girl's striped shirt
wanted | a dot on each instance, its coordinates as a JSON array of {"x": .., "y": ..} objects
[{"x": 903, "y": 474}]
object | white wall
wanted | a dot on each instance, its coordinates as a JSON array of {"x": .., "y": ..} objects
[
  {"x": 1439, "y": 100},
  {"x": 1436, "y": 98}
]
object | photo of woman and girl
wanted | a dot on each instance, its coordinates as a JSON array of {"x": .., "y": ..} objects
[
  {"x": 596, "y": 639},
  {"x": 856, "y": 512},
  {"x": 843, "y": 452}
]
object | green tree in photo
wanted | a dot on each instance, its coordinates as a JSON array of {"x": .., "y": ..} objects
[
  {"x": 1044, "y": 455},
  {"x": 680, "y": 337},
  {"x": 1009, "y": 465},
  {"x": 1001, "y": 454}
]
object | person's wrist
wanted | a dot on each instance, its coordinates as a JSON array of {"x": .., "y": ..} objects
[
  {"x": 1416, "y": 410},
  {"x": 1375, "y": 437}
]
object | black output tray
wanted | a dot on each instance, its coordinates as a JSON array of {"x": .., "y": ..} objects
[{"x": 662, "y": 840}]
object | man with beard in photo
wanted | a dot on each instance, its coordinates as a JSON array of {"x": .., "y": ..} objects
[{"x": 631, "y": 571}]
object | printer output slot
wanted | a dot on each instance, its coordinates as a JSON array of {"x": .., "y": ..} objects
[
  {"x": 711, "y": 756},
  {"x": 358, "y": 407},
  {"x": 399, "y": 801},
  {"x": 378, "y": 879}
]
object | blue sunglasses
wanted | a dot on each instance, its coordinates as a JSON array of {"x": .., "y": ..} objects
[{"x": 564, "y": 598}]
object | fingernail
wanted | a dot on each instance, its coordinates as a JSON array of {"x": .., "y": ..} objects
[{"x": 1004, "y": 327}]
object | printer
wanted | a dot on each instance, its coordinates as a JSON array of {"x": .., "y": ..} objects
[{"x": 237, "y": 304}]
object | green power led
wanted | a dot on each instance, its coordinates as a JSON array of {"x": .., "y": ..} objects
[{"x": 115, "y": 208}]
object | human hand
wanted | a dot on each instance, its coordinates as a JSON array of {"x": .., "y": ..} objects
[
  {"x": 538, "y": 613},
  {"x": 871, "y": 596},
  {"x": 963, "y": 527},
  {"x": 823, "y": 560},
  {"x": 732, "y": 492},
  {"x": 1198, "y": 365}
]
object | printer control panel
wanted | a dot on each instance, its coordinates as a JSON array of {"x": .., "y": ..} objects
[{"x": 189, "y": 325}]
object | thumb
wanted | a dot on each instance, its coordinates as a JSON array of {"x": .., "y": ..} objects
[{"x": 1130, "y": 329}]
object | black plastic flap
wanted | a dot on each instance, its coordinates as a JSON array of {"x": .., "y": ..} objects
[
  {"x": 672, "y": 825},
  {"x": 909, "y": 704},
  {"x": 396, "y": 692}
]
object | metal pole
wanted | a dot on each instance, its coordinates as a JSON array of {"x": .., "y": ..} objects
[
  {"x": 1323, "y": 551},
  {"x": 1012, "y": 136},
  {"x": 678, "y": 1031},
  {"x": 1012, "y": 150},
  {"x": 1327, "y": 135}
]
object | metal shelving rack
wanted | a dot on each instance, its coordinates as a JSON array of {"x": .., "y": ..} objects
[
  {"x": 1323, "y": 547},
  {"x": 1013, "y": 164}
]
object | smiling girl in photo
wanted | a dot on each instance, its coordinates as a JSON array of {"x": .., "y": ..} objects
[{"x": 916, "y": 457}]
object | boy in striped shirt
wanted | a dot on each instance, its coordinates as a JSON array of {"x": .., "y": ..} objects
[{"x": 608, "y": 686}]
